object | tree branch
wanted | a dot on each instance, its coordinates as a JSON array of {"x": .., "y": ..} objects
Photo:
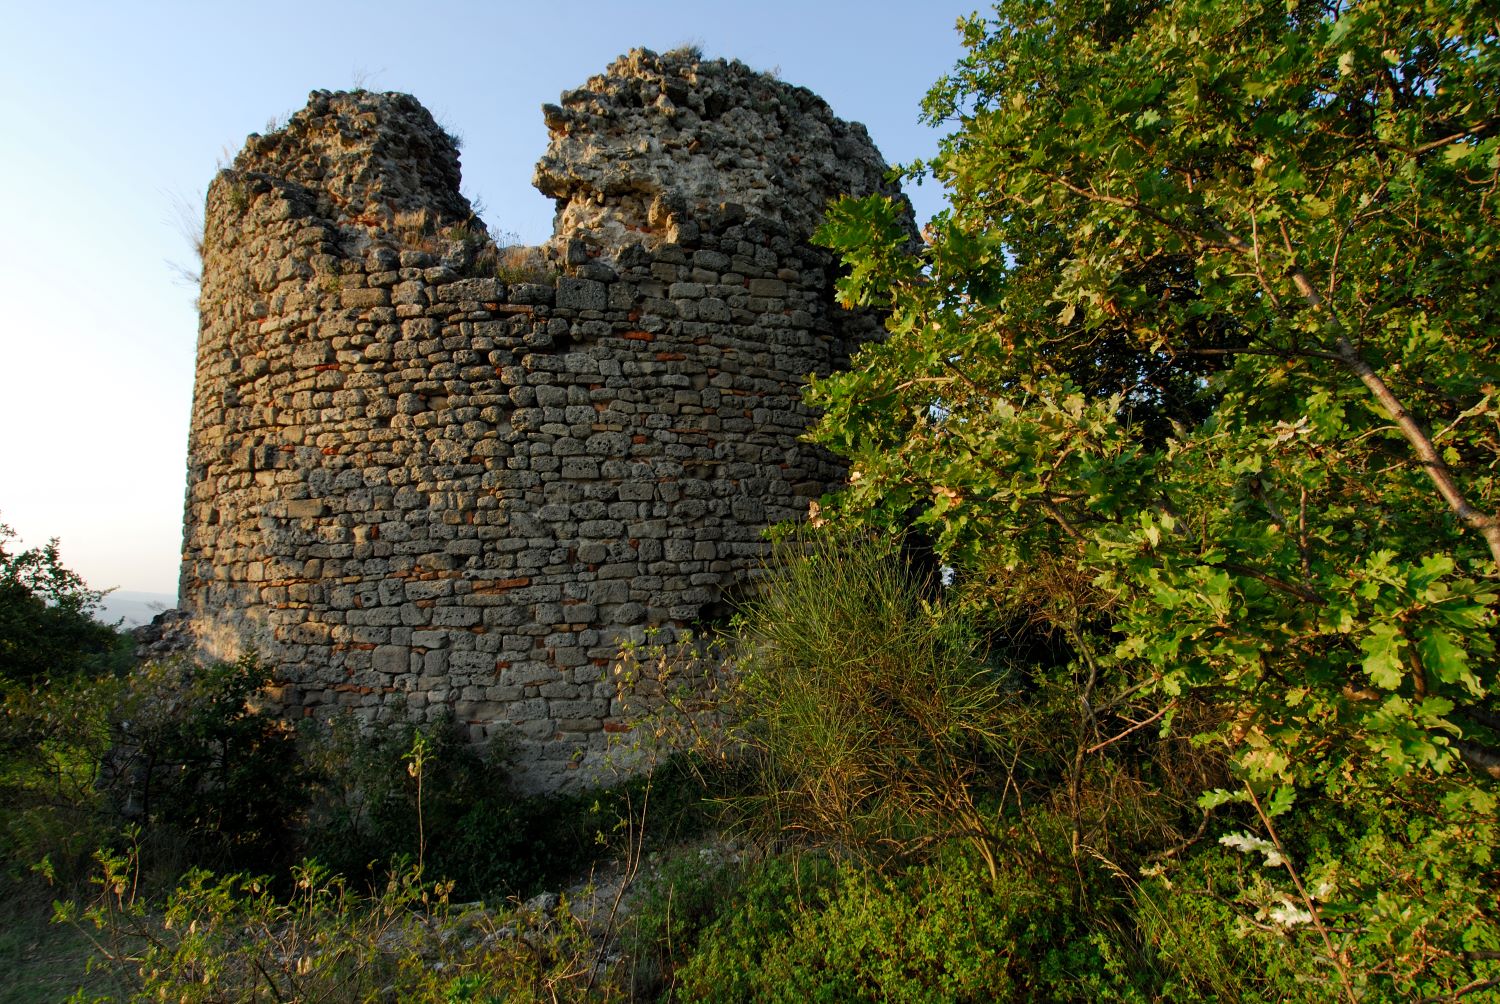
[
  {"x": 1431, "y": 461},
  {"x": 1480, "y": 758},
  {"x": 1340, "y": 962},
  {"x": 1291, "y": 588},
  {"x": 1277, "y": 353},
  {"x": 1133, "y": 727},
  {"x": 1462, "y": 991}
]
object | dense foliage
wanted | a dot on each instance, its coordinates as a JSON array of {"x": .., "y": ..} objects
[
  {"x": 1197, "y": 373},
  {"x": 54, "y": 658},
  {"x": 875, "y": 722},
  {"x": 47, "y": 616}
]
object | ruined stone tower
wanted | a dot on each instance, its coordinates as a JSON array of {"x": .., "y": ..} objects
[{"x": 427, "y": 468}]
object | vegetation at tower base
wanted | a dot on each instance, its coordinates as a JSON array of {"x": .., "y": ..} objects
[
  {"x": 53, "y": 654},
  {"x": 1197, "y": 377}
]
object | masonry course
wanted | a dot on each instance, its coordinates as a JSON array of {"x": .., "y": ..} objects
[{"x": 429, "y": 470}]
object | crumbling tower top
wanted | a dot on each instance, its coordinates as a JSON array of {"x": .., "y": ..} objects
[
  {"x": 648, "y": 147},
  {"x": 363, "y": 158}
]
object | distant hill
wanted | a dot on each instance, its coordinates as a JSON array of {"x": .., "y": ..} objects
[{"x": 134, "y": 608}]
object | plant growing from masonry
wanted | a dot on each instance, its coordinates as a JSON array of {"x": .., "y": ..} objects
[{"x": 1198, "y": 373}]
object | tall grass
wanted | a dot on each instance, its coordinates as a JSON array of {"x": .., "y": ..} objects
[{"x": 875, "y": 721}]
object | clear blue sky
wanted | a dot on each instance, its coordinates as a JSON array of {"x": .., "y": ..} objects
[{"x": 117, "y": 114}]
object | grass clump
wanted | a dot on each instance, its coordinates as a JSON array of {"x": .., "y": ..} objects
[{"x": 875, "y": 722}]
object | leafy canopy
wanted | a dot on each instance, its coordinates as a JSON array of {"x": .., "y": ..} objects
[
  {"x": 1215, "y": 280},
  {"x": 1209, "y": 333}
]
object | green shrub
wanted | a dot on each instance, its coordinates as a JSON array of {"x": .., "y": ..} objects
[
  {"x": 1398, "y": 884},
  {"x": 669, "y": 913},
  {"x": 760, "y": 913},
  {"x": 53, "y": 738},
  {"x": 472, "y": 829},
  {"x": 806, "y": 930},
  {"x": 1195, "y": 922},
  {"x": 368, "y": 814},
  {"x": 172, "y": 748},
  {"x": 209, "y": 779},
  {"x": 229, "y": 938},
  {"x": 47, "y": 625},
  {"x": 364, "y": 809},
  {"x": 1411, "y": 877},
  {"x": 59, "y": 670}
]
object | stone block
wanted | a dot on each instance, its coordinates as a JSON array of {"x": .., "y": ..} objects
[
  {"x": 479, "y": 290},
  {"x": 581, "y": 294},
  {"x": 578, "y": 709},
  {"x": 365, "y": 298},
  {"x": 768, "y": 287},
  {"x": 637, "y": 491},
  {"x": 392, "y": 659},
  {"x": 456, "y": 616},
  {"x": 530, "y": 293},
  {"x": 712, "y": 309},
  {"x": 585, "y": 468},
  {"x": 409, "y": 293}
]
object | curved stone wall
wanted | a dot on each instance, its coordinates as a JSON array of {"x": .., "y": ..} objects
[{"x": 428, "y": 469}]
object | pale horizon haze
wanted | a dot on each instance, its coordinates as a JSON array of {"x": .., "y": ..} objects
[{"x": 118, "y": 116}]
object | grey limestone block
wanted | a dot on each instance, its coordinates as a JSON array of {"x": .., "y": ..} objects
[
  {"x": 530, "y": 293},
  {"x": 581, "y": 294}
]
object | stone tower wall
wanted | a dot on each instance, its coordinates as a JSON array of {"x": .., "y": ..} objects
[{"x": 422, "y": 467}]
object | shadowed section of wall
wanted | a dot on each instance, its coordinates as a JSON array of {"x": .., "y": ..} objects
[{"x": 429, "y": 470}]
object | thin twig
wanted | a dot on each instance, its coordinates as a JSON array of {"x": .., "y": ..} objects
[
  {"x": 1462, "y": 991},
  {"x": 636, "y": 845},
  {"x": 1138, "y": 725},
  {"x": 1173, "y": 851}
]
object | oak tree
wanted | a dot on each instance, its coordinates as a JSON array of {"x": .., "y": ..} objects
[{"x": 1199, "y": 370}]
